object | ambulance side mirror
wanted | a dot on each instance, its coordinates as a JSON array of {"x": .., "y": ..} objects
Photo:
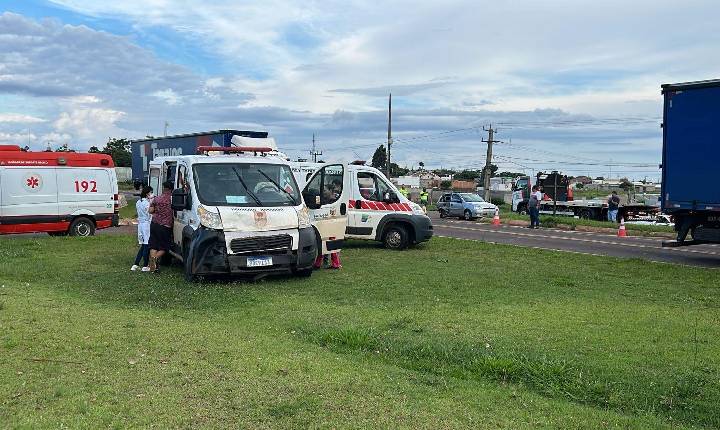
[
  {"x": 312, "y": 200},
  {"x": 179, "y": 200}
]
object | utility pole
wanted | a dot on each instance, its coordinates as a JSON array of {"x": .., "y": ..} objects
[
  {"x": 389, "y": 140},
  {"x": 313, "y": 152},
  {"x": 166, "y": 127},
  {"x": 488, "y": 161}
]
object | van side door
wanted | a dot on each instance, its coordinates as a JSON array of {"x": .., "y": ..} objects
[
  {"x": 328, "y": 210},
  {"x": 182, "y": 218}
]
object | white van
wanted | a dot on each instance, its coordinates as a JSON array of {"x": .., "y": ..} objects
[
  {"x": 376, "y": 210},
  {"x": 238, "y": 210},
  {"x": 58, "y": 193}
]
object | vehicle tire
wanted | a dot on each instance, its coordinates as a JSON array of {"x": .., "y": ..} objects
[
  {"x": 303, "y": 273},
  {"x": 442, "y": 213},
  {"x": 82, "y": 227},
  {"x": 396, "y": 237},
  {"x": 522, "y": 210},
  {"x": 187, "y": 264},
  {"x": 467, "y": 215},
  {"x": 586, "y": 214}
]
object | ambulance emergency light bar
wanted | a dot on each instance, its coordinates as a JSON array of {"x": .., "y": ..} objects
[{"x": 234, "y": 149}]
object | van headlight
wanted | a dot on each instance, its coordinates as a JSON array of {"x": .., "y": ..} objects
[
  {"x": 208, "y": 218},
  {"x": 303, "y": 217},
  {"x": 417, "y": 209}
]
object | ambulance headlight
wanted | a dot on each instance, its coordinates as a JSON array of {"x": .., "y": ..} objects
[
  {"x": 303, "y": 217},
  {"x": 417, "y": 209},
  {"x": 208, "y": 218}
]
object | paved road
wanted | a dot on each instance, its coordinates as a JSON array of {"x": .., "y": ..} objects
[{"x": 580, "y": 242}]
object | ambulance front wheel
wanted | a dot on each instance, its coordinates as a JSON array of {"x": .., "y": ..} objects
[
  {"x": 396, "y": 237},
  {"x": 82, "y": 227}
]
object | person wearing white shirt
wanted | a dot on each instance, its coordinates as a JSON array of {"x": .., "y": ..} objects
[{"x": 143, "y": 213}]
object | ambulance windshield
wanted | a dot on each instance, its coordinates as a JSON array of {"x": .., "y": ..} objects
[{"x": 236, "y": 184}]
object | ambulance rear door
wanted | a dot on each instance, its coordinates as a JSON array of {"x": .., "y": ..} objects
[{"x": 323, "y": 196}]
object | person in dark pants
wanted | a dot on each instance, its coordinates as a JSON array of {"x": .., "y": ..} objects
[
  {"x": 534, "y": 208},
  {"x": 161, "y": 226}
]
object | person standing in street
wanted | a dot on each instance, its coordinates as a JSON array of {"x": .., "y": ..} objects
[
  {"x": 143, "y": 230},
  {"x": 161, "y": 226},
  {"x": 403, "y": 191},
  {"x": 613, "y": 205},
  {"x": 534, "y": 207},
  {"x": 424, "y": 198}
]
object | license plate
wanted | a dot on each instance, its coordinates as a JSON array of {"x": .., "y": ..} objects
[{"x": 259, "y": 261}]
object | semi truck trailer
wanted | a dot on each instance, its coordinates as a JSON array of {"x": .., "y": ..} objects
[
  {"x": 558, "y": 200},
  {"x": 146, "y": 150},
  {"x": 691, "y": 150}
]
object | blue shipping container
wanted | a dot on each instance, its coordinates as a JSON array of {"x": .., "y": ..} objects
[
  {"x": 145, "y": 150},
  {"x": 691, "y": 147}
]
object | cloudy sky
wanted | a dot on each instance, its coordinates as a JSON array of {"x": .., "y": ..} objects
[{"x": 572, "y": 85}]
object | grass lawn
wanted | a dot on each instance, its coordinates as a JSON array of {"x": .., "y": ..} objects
[
  {"x": 449, "y": 334},
  {"x": 129, "y": 210}
]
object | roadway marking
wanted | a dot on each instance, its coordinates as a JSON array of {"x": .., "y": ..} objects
[{"x": 577, "y": 239}]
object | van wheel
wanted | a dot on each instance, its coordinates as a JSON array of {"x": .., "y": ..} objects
[
  {"x": 396, "y": 237},
  {"x": 303, "y": 273},
  {"x": 82, "y": 227},
  {"x": 467, "y": 215},
  {"x": 187, "y": 264},
  {"x": 442, "y": 213}
]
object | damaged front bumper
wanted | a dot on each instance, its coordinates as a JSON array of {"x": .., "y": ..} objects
[{"x": 208, "y": 255}]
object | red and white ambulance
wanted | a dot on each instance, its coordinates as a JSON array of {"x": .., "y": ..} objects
[{"x": 56, "y": 192}]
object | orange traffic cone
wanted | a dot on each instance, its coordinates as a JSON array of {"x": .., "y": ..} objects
[
  {"x": 496, "y": 218},
  {"x": 621, "y": 230}
]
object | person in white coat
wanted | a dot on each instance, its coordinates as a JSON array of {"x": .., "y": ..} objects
[{"x": 143, "y": 229}]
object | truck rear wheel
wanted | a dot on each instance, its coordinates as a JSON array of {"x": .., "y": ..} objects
[
  {"x": 396, "y": 237},
  {"x": 82, "y": 227}
]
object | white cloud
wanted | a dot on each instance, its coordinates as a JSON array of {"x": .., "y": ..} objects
[
  {"x": 168, "y": 96},
  {"x": 21, "y": 118},
  {"x": 88, "y": 124}
]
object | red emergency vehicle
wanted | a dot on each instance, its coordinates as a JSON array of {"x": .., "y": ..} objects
[{"x": 56, "y": 192}]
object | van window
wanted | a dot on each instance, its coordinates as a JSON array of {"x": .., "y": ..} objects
[
  {"x": 154, "y": 181},
  {"x": 326, "y": 184},
  {"x": 371, "y": 186},
  {"x": 245, "y": 184},
  {"x": 170, "y": 174},
  {"x": 182, "y": 179}
]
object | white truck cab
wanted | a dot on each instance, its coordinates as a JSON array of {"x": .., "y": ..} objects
[
  {"x": 375, "y": 209},
  {"x": 238, "y": 210}
]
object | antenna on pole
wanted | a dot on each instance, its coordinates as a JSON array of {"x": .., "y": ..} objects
[
  {"x": 313, "y": 152},
  {"x": 389, "y": 137}
]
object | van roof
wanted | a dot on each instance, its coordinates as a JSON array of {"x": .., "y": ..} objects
[
  {"x": 12, "y": 155},
  {"x": 237, "y": 158}
]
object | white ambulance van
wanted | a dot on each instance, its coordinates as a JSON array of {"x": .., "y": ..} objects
[
  {"x": 56, "y": 192},
  {"x": 238, "y": 210},
  {"x": 376, "y": 210}
]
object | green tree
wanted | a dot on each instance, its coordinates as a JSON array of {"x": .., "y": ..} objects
[
  {"x": 579, "y": 186},
  {"x": 422, "y": 165},
  {"x": 379, "y": 158},
  {"x": 445, "y": 185},
  {"x": 94, "y": 149},
  {"x": 119, "y": 150},
  {"x": 467, "y": 175},
  {"x": 396, "y": 170},
  {"x": 509, "y": 174}
]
